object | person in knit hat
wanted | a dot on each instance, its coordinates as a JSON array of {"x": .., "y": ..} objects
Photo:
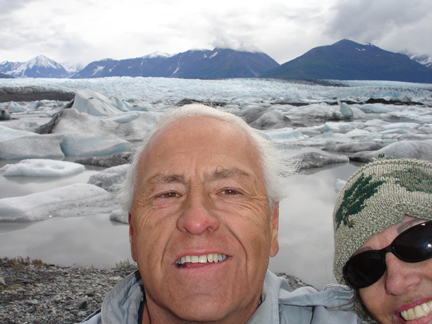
[{"x": 386, "y": 206}]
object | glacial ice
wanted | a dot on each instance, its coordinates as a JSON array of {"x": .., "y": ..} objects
[
  {"x": 110, "y": 179},
  {"x": 73, "y": 122},
  {"x": 7, "y": 133},
  {"x": 88, "y": 145},
  {"x": 41, "y": 168},
  {"x": 50, "y": 203},
  {"x": 93, "y": 103},
  {"x": 109, "y": 116},
  {"x": 420, "y": 150},
  {"x": 32, "y": 147}
]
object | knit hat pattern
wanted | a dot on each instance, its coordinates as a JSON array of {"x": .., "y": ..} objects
[{"x": 375, "y": 197}]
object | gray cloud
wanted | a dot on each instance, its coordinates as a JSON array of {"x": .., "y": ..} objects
[
  {"x": 8, "y": 7},
  {"x": 369, "y": 21}
]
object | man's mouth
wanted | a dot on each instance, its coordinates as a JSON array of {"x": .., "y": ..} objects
[
  {"x": 188, "y": 260},
  {"x": 417, "y": 312}
]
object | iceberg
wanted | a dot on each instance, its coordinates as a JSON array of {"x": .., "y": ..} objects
[
  {"x": 7, "y": 133},
  {"x": 420, "y": 150},
  {"x": 50, "y": 203},
  {"x": 311, "y": 160},
  {"x": 93, "y": 103},
  {"x": 72, "y": 121},
  {"x": 119, "y": 215},
  {"x": 124, "y": 118},
  {"x": 41, "y": 168},
  {"x": 110, "y": 179},
  {"x": 32, "y": 147},
  {"x": 88, "y": 145}
]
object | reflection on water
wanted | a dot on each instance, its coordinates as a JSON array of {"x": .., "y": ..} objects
[
  {"x": 20, "y": 186},
  {"x": 82, "y": 241},
  {"x": 305, "y": 226},
  {"x": 305, "y": 233}
]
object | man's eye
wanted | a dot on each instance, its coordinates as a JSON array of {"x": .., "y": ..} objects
[
  {"x": 230, "y": 192},
  {"x": 169, "y": 195}
]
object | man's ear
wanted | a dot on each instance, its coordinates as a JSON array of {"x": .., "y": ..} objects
[
  {"x": 274, "y": 222},
  {"x": 131, "y": 241}
]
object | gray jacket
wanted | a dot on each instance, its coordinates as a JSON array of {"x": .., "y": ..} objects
[{"x": 279, "y": 304}]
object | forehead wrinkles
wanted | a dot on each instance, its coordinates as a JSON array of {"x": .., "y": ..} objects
[{"x": 205, "y": 133}]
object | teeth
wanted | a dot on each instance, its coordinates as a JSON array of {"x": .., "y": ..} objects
[
  {"x": 417, "y": 312},
  {"x": 211, "y": 258}
]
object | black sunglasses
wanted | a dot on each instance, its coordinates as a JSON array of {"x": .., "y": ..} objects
[{"x": 412, "y": 245}]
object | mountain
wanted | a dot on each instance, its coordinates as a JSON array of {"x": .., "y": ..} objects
[
  {"x": 424, "y": 59},
  {"x": 38, "y": 67},
  {"x": 347, "y": 60},
  {"x": 219, "y": 63},
  {"x": 147, "y": 66},
  {"x": 5, "y": 76}
]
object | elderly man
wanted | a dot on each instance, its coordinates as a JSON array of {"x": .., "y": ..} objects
[{"x": 202, "y": 196}]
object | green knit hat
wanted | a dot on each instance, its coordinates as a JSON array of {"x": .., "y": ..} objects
[{"x": 375, "y": 197}]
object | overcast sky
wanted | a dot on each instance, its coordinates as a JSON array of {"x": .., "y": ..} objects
[{"x": 81, "y": 31}]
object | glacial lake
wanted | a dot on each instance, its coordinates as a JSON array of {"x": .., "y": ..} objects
[{"x": 305, "y": 234}]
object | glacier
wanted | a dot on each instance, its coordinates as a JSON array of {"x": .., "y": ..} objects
[{"x": 331, "y": 130}]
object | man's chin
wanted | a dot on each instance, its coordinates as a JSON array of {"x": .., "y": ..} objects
[{"x": 215, "y": 309}]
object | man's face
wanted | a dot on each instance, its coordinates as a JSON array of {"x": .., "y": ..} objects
[{"x": 201, "y": 196}]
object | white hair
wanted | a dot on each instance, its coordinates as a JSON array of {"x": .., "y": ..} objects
[{"x": 272, "y": 163}]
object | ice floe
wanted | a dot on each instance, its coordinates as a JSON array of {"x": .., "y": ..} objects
[
  {"x": 110, "y": 179},
  {"x": 41, "y": 168},
  {"x": 356, "y": 121},
  {"x": 50, "y": 203}
]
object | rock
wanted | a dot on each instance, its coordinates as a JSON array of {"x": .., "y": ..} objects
[
  {"x": 106, "y": 161},
  {"x": 66, "y": 286},
  {"x": 4, "y": 115},
  {"x": 48, "y": 127},
  {"x": 204, "y": 102},
  {"x": 32, "y": 302},
  {"x": 83, "y": 304}
]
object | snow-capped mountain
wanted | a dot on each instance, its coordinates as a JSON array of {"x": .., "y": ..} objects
[
  {"x": 38, "y": 67},
  {"x": 424, "y": 59},
  {"x": 219, "y": 63}
]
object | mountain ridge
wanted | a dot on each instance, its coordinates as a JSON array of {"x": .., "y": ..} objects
[
  {"x": 343, "y": 60},
  {"x": 38, "y": 67},
  {"x": 219, "y": 63},
  {"x": 348, "y": 60}
]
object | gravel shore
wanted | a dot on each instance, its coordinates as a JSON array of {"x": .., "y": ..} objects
[{"x": 33, "y": 292}]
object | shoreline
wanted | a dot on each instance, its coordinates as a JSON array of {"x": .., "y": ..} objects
[
  {"x": 32, "y": 291},
  {"x": 29, "y": 93},
  {"x": 36, "y": 292}
]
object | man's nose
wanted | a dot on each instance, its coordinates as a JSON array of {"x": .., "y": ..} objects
[
  {"x": 400, "y": 276},
  {"x": 197, "y": 216}
]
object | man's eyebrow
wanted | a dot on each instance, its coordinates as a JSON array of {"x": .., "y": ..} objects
[
  {"x": 221, "y": 173},
  {"x": 162, "y": 178}
]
